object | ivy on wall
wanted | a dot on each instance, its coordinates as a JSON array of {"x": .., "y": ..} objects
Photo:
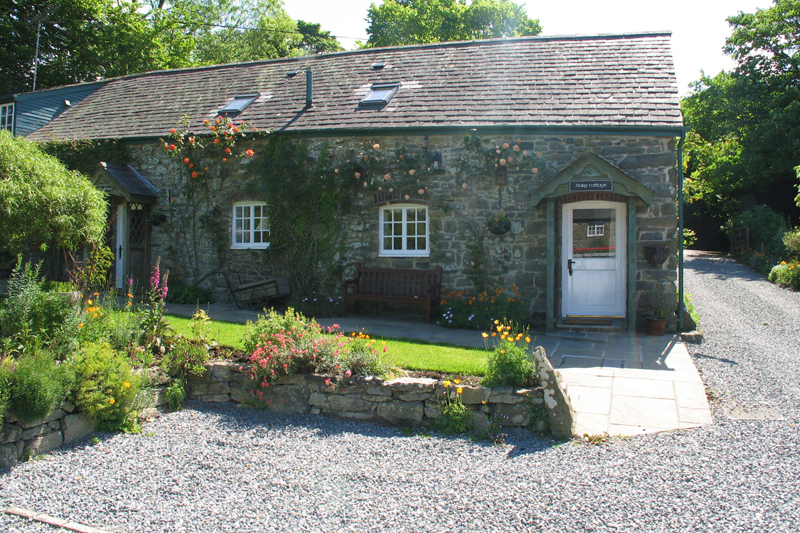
[{"x": 85, "y": 155}]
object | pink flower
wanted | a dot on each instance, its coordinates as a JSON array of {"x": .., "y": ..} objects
[{"x": 348, "y": 374}]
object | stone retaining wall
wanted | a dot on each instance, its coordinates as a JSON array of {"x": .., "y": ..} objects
[
  {"x": 19, "y": 439},
  {"x": 401, "y": 401}
]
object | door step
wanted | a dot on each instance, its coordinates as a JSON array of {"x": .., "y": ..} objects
[{"x": 593, "y": 324}]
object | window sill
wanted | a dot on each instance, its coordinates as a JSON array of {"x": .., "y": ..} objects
[
  {"x": 425, "y": 253},
  {"x": 263, "y": 246}
]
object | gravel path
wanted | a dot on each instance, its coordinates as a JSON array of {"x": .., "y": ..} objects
[{"x": 225, "y": 469}]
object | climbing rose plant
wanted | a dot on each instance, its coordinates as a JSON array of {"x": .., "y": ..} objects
[{"x": 219, "y": 144}]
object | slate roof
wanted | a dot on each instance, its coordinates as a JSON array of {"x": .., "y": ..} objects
[
  {"x": 129, "y": 180},
  {"x": 531, "y": 82}
]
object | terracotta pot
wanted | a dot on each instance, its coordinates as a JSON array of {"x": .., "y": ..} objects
[{"x": 656, "y": 326}]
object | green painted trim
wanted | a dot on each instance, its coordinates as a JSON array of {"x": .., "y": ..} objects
[
  {"x": 505, "y": 130},
  {"x": 592, "y": 166},
  {"x": 550, "y": 319},
  {"x": 631, "y": 306}
]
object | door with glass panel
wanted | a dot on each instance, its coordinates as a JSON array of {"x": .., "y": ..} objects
[{"x": 593, "y": 259}]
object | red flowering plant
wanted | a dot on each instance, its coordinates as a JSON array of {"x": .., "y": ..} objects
[
  {"x": 218, "y": 143},
  {"x": 283, "y": 345}
]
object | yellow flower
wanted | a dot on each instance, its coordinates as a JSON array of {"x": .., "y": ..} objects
[
  {"x": 456, "y": 381},
  {"x": 503, "y": 336},
  {"x": 502, "y": 351},
  {"x": 484, "y": 335},
  {"x": 459, "y": 390},
  {"x": 496, "y": 322},
  {"x": 112, "y": 401},
  {"x": 446, "y": 383},
  {"x": 89, "y": 302},
  {"x": 127, "y": 384},
  {"x": 527, "y": 339},
  {"x": 130, "y": 295},
  {"x": 94, "y": 315},
  {"x": 484, "y": 402},
  {"x": 80, "y": 326},
  {"x": 500, "y": 328}
]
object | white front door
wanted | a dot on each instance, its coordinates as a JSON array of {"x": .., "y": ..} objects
[{"x": 593, "y": 259}]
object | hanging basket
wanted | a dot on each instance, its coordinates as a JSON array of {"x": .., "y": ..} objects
[
  {"x": 156, "y": 219},
  {"x": 499, "y": 224}
]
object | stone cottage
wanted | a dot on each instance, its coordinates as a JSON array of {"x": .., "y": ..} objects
[{"x": 546, "y": 164}]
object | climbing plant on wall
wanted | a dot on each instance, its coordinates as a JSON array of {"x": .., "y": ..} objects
[{"x": 206, "y": 160}]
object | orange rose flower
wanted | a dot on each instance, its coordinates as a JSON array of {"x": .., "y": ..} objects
[
  {"x": 195, "y": 174},
  {"x": 186, "y": 160},
  {"x": 228, "y": 150}
]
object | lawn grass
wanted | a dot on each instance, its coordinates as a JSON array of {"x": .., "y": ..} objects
[
  {"x": 226, "y": 333},
  {"x": 402, "y": 353}
]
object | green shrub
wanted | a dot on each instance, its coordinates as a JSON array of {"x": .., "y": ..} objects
[
  {"x": 32, "y": 318},
  {"x": 106, "y": 387},
  {"x": 121, "y": 328},
  {"x": 59, "y": 286},
  {"x": 786, "y": 274},
  {"x": 274, "y": 322},
  {"x": 38, "y": 385},
  {"x": 791, "y": 239},
  {"x": 509, "y": 363},
  {"x": 760, "y": 262},
  {"x": 176, "y": 394},
  {"x": 465, "y": 310},
  {"x": 188, "y": 294},
  {"x": 6, "y": 365},
  {"x": 766, "y": 228}
]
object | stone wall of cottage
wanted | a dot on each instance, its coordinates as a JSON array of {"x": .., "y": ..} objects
[{"x": 455, "y": 211}]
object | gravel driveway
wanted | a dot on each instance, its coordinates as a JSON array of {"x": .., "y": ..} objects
[{"x": 226, "y": 469}]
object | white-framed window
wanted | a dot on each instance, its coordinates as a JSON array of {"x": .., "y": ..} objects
[
  {"x": 7, "y": 117},
  {"x": 595, "y": 229},
  {"x": 404, "y": 231},
  {"x": 250, "y": 225}
]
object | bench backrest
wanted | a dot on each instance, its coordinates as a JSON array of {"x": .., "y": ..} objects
[{"x": 397, "y": 281}]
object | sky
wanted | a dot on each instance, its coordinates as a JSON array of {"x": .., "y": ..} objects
[{"x": 699, "y": 28}]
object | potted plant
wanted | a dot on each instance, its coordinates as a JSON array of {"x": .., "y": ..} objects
[
  {"x": 657, "y": 321},
  {"x": 499, "y": 224}
]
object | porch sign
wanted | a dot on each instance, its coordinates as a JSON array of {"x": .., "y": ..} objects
[{"x": 590, "y": 186}]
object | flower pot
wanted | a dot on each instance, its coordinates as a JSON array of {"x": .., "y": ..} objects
[{"x": 656, "y": 326}]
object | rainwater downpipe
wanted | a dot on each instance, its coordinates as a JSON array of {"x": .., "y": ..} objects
[{"x": 680, "y": 230}]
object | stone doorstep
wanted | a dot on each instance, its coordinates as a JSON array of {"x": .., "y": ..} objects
[{"x": 51, "y": 520}]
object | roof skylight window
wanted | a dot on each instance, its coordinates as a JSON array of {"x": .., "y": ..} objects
[
  {"x": 238, "y": 104},
  {"x": 379, "y": 94}
]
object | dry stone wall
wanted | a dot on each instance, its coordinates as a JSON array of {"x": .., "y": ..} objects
[
  {"x": 459, "y": 207},
  {"x": 19, "y": 439},
  {"x": 400, "y": 401}
]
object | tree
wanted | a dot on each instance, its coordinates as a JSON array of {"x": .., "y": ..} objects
[
  {"x": 87, "y": 40},
  {"x": 42, "y": 204},
  {"x": 747, "y": 122},
  {"x": 403, "y": 22}
]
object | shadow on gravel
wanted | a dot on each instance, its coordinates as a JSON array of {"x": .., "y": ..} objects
[
  {"x": 521, "y": 442},
  {"x": 712, "y": 262},
  {"x": 720, "y": 359}
]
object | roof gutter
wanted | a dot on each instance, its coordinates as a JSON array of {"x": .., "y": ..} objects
[{"x": 652, "y": 131}]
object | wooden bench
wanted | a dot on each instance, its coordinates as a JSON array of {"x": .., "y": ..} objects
[
  {"x": 256, "y": 295},
  {"x": 394, "y": 285}
]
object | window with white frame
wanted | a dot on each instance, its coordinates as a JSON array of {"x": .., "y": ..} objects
[
  {"x": 250, "y": 225},
  {"x": 7, "y": 117},
  {"x": 404, "y": 231},
  {"x": 595, "y": 229}
]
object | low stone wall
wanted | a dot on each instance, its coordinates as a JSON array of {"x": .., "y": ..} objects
[
  {"x": 19, "y": 439},
  {"x": 401, "y": 401}
]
